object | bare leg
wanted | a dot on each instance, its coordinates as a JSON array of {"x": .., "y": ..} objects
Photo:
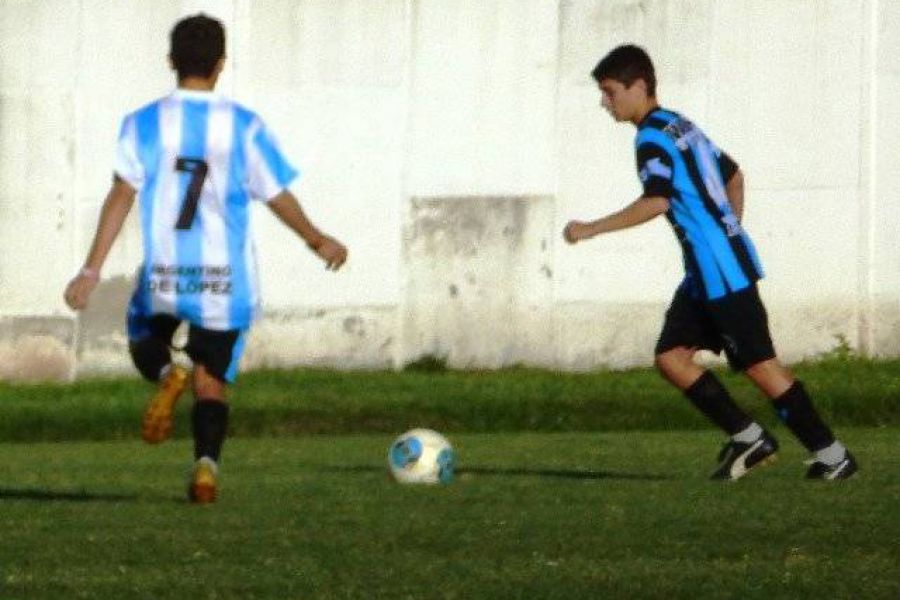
[
  {"x": 207, "y": 387},
  {"x": 771, "y": 377},
  {"x": 677, "y": 366}
]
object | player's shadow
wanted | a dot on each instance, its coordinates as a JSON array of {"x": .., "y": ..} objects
[
  {"x": 45, "y": 495},
  {"x": 513, "y": 472},
  {"x": 558, "y": 473}
]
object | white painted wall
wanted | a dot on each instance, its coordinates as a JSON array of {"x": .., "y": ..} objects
[{"x": 447, "y": 142}]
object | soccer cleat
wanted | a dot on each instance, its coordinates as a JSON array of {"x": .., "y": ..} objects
[
  {"x": 202, "y": 487},
  {"x": 842, "y": 470},
  {"x": 736, "y": 459},
  {"x": 156, "y": 425}
]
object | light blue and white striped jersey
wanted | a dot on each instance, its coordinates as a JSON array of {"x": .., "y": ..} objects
[{"x": 197, "y": 159}]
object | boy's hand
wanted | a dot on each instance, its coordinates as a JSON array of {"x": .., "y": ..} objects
[
  {"x": 79, "y": 289},
  {"x": 575, "y": 231},
  {"x": 332, "y": 252}
]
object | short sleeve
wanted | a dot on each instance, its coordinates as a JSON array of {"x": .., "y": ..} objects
[
  {"x": 270, "y": 173},
  {"x": 655, "y": 169},
  {"x": 127, "y": 164}
]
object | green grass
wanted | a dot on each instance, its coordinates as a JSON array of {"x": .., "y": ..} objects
[
  {"x": 571, "y": 486},
  {"x": 531, "y": 515},
  {"x": 848, "y": 391}
]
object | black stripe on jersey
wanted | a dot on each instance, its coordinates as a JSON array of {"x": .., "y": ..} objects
[
  {"x": 736, "y": 242},
  {"x": 690, "y": 259},
  {"x": 655, "y": 184},
  {"x": 655, "y": 123},
  {"x": 651, "y": 119}
]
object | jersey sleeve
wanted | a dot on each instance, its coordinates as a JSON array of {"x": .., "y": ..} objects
[
  {"x": 127, "y": 164},
  {"x": 270, "y": 173},
  {"x": 655, "y": 169}
]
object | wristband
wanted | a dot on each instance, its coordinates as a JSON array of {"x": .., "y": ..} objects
[{"x": 89, "y": 273}]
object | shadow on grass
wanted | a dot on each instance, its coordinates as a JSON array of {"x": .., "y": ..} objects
[
  {"x": 560, "y": 473},
  {"x": 510, "y": 472},
  {"x": 62, "y": 496}
]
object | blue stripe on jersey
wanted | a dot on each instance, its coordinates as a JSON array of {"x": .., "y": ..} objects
[
  {"x": 188, "y": 242},
  {"x": 701, "y": 210},
  {"x": 712, "y": 230},
  {"x": 236, "y": 351},
  {"x": 239, "y": 213},
  {"x": 280, "y": 170},
  {"x": 699, "y": 226},
  {"x": 684, "y": 213},
  {"x": 148, "y": 142}
]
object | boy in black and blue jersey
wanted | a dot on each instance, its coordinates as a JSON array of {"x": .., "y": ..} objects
[{"x": 717, "y": 307}]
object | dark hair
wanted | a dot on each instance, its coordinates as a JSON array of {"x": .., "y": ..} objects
[
  {"x": 197, "y": 45},
  {"x": 626, "y": 64}
]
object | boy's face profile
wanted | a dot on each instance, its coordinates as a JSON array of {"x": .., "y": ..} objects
[{"x": 620, "y": 101}]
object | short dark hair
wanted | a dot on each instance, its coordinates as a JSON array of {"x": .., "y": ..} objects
[
  {"x": 197, "y": 45},
  {"x": 626, "y": 64}
]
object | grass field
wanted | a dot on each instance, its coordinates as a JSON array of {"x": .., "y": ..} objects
[
  {"x": 531, "y": 515},
  {"x": 851, "y": 392},
  {"x": 570, "y": 486}
]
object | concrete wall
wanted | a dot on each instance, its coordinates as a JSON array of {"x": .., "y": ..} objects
[{"x": 447, "y": 142}]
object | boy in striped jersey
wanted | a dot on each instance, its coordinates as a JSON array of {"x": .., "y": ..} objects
[
  {"x": 717, "y": 307},
  {"x": 196, "y": 160}
]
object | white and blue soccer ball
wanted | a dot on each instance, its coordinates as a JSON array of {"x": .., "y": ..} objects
[{"x": 422, "y": 456}]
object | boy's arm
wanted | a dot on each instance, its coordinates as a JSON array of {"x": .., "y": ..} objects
[
  {"x": 115, "y": 209},
  {"x": 640, "y": 211},
  {"x": 734, "y": 189},
  {"x": 287, "y": 209}
]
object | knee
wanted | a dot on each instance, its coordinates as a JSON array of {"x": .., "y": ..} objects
[
  {"x": 206, "y": 386},
  {"x": 771, "y": 377},
  {"x": 672, "y": 363},
  {"x": 149, "y": 355}
]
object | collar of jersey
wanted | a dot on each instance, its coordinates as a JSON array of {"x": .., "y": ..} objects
[
  {"x": 195, "y": 94},
  {"x": 649, "y": 115}
]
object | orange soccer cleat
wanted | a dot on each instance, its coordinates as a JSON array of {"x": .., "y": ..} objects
[
  {"x": 202, "y": 488},
  {"x": 156, "y": 425}
]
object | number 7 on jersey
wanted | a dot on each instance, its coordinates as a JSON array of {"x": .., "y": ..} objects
[{"x": 198, "y": 169}]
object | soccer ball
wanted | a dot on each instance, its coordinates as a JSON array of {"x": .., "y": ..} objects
[{"x": 421, "y": 456}]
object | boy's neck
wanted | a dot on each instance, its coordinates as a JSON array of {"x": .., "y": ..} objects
[
  {"x": 197, "y": 84},
  {"x": 649, "y": 106}
]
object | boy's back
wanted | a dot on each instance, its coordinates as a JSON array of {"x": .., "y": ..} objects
[
  {"x": 197, "y": 159},
  {"x": 677, "y": 161}
]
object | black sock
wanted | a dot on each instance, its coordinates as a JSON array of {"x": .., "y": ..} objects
[
  {"x": 713, "y": 400},
  {"x": 210, "y": 421},
  {"x": 797, "y": 412}
]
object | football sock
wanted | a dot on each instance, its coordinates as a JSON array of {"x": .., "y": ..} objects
[
  {"x": 795, "y": 409},
  {"x": 713, "y": 400},
  {"x": 833, "y": 454},
  {"x": 748, "y": 435},
  {"x": 210, "y": 422}
]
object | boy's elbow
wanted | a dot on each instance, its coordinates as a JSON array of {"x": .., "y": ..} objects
[{"x": 658, "y": 205}]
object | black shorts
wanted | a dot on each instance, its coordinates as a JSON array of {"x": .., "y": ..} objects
[
  {"x": 218, "y": 351},
  {"x": 737, "y": 324}
]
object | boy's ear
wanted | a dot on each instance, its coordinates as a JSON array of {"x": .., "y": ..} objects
[{"x": 641, "y": 83}]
